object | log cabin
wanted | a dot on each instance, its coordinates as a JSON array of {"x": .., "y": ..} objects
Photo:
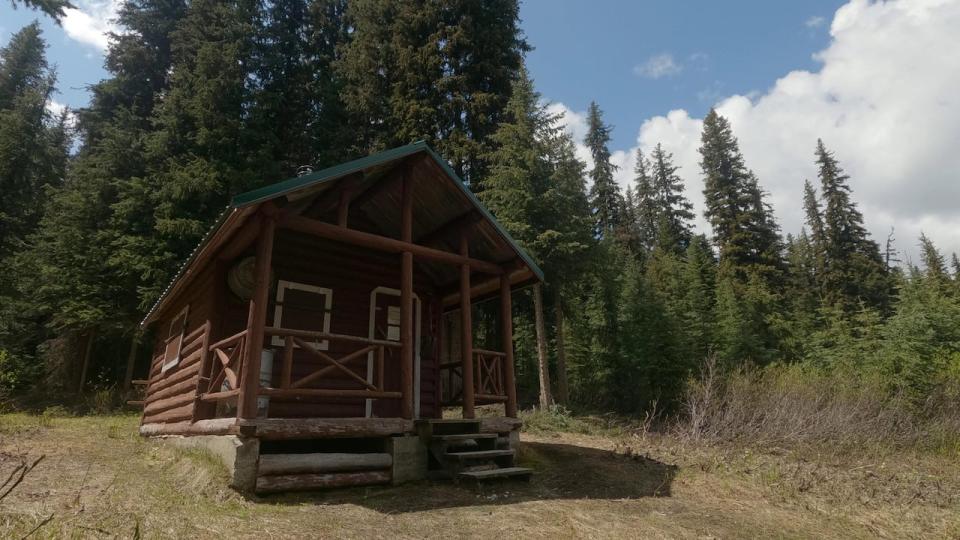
[{"x": 316, "y": 333}]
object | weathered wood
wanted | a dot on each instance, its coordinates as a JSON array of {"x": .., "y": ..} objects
[
  {"x": 228, "y": 341},
  {"x": 214, "y": 426},
  {"x": 169, "y": 403},
  {"x": 353, "y": 357},
  {"x": 487, "y": 352},
  {"x": 343, "y": 207},
  {"x": 181, "y": 387},
  {"x": 241, "y": 240},
  {"x": 499, "y": 424},
  {"x": 287, "y": 370},
  {"x": 91, "y": 336},
  {"x": 131, "y": 360},
  {"x": 321, "y": 336},
  {"x": 256, "y": 320},
  {"x": 219, "y": 396},
  {"x": 383, "y": 243},
  {"x": 206, "y": 366},
  {"x": 329, "y": 392},
  {"x": 317, "y": 428},
  {"x": 184, "y": 412},
  {"x": 406, "y": 298},
  {"x": 333, "y": 364},
  {"x": 456, "y": 224},
  {"x": 307, "y": 482},
  {"x": 274, "y": 464},
  {"x": 466, "y": 332},
  {"x": 176, "y": 377}
]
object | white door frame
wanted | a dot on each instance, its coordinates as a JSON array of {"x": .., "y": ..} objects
[{"x": 416, "y": 349}]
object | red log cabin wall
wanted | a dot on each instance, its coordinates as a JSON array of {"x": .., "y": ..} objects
[{"x": 351, "y": 273}]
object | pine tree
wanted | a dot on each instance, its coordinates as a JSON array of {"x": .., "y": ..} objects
[
  {"x": 645, "y": 204},
  {"x": 54, "y": 8},
  {"x": 439, "y": 72},
  {"x": 674, "y": 211},
  {"x": 854, "y": 270},
  {"x": 934, "y": 265},
  {"x": 605, "y": 196}
]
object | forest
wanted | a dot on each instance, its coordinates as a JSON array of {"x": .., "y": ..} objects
[{"x": 640, "y": 314}]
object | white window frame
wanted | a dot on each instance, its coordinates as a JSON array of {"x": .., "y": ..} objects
[
  {"x": 183, "y": 332},
  {"x": 282, "y": 286}
]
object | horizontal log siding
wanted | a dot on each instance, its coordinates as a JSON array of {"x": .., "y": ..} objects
[{"x": 170, "y": 395}]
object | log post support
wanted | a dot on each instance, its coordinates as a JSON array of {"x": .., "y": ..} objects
[
  {"x": 506, "y": 329},
  {"x": 257, "y": 318},
  {"x": 406, "y": 300},
  {"x": 466, "y": 332}
]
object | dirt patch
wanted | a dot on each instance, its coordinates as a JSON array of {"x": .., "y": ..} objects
[{"x": 99, "y": 479}]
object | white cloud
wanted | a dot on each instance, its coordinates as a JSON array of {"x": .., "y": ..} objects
[
  {"x": 91, "y": 22},
  {"x": 815, "y": 22},
  {"x": 658, "y": 66},
  {"x": 884, "y": 100},
  {"x": 56, "y": 109}
]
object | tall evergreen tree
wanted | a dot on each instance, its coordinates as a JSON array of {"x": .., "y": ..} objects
[
  {"x": 439, "y": 72},
  {"x": 605, "y": 196},
  {"x": 645, "y": 204},
  {"x": 854, "y": 270},
  {"x": 674, "y": 212}
]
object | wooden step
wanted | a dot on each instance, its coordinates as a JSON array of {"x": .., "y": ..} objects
[
  {"x": 521, "y": 473},
  {"x": 451, "y": 420},
  {"x": 465, "y": 436},
  {"x": 479, "y": 454}
]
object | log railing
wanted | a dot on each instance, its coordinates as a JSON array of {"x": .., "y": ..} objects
[
  {"x": 372, "y": 389},
  {"x": 226, "y": 357},
  {"x": 489, "y": 384}
]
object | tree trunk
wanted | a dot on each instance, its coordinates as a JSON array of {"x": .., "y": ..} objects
[
  {"x": 91, "y": 335},
  {"x": 131, "y": 359},
  {"x": 563, "y": 388},
  {"x": 546, "y": 399}
]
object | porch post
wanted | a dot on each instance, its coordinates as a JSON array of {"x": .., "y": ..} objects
[
  {"x": 466, "y": 332},
  {"x": 506, "y": 329},
  {"x": 406, "y": 299},
  {"x": 257, "y": 318}
]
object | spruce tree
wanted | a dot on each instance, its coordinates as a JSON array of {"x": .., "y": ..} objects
[
  {"x": 439, "y": 72},
  {"x": 854, "y": 270},
  {"x": 605, "y": 196},
  {"x": 54, "y": 8},
  {"x": 673, "y": 211},
  {"x": 645, "y": 204}
]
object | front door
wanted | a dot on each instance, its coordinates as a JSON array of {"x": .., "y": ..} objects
[{"x": 385, "y": 325}]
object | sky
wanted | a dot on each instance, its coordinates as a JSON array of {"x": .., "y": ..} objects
[{"x": 877, "y": 81}]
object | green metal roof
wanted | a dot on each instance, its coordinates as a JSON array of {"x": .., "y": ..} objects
[{"x": 290, "y": 185}]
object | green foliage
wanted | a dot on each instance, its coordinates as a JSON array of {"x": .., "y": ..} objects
[
  {"x": 605, "y": 197},
  {"x": 54, "y": 8}
]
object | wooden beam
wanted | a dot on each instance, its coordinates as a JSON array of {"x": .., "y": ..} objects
[
  {"x": 383, "y": 243},
  {"x": 506, "y": 330},
  {"x": 379, "y": 187},
  {"x": 343, "y": 207},
  {"x": 450, "y": 226},
  {"x": 322, "y": 428},
  {"x": 328, "y": 392},
  {"x": 451, "y": 295},
  {"x": 274, "y": 464},
  {"x": 324, "y": 202},
  {"x": 216, "y": 426},
  {"x": 307, "y": 482},
  {"x": 466, "y": 331},
  {"x": 241, "y": 240},
  {"x": 256, "y": 321},
  {"x": 406, "y": 298}
]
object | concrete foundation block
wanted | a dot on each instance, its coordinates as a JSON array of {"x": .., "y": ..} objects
[
  {"x": 238, "y": 455},
  {"x": 409, "y": 459}
]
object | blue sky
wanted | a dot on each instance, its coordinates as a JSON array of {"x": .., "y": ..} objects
[
  {"x": 876, "y": 80},
  {"x": 595, "y": 50}
]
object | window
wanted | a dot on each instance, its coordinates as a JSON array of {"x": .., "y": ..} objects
[
  {"x": 302, "y": 307},
  {"x": 174, "y": 342}
]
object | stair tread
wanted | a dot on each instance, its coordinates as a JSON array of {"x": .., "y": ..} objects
[
  {"x": 480, "y": 454},
  {"x": 496, "y": 473},
  {"x": 451, "y": 420},
  {"x": 465, "y": 436}
]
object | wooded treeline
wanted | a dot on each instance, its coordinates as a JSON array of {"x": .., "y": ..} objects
[{"x": 207, "y": 99}]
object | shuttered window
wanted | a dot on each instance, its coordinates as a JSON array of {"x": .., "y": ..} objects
[
  {"x": 174, "y": 342},
  {"x": 302, "y": 307}
]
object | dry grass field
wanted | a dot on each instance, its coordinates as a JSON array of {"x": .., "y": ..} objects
[{"x": 98, "y": 479}]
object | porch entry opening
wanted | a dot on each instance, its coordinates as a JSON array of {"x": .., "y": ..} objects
[{"x": 385, "y": 324}]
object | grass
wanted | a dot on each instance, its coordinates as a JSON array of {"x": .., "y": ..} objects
[{"x": 595, "y": 477}]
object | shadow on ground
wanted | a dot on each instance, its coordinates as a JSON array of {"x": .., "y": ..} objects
[{"x": 562, "y": 471}]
